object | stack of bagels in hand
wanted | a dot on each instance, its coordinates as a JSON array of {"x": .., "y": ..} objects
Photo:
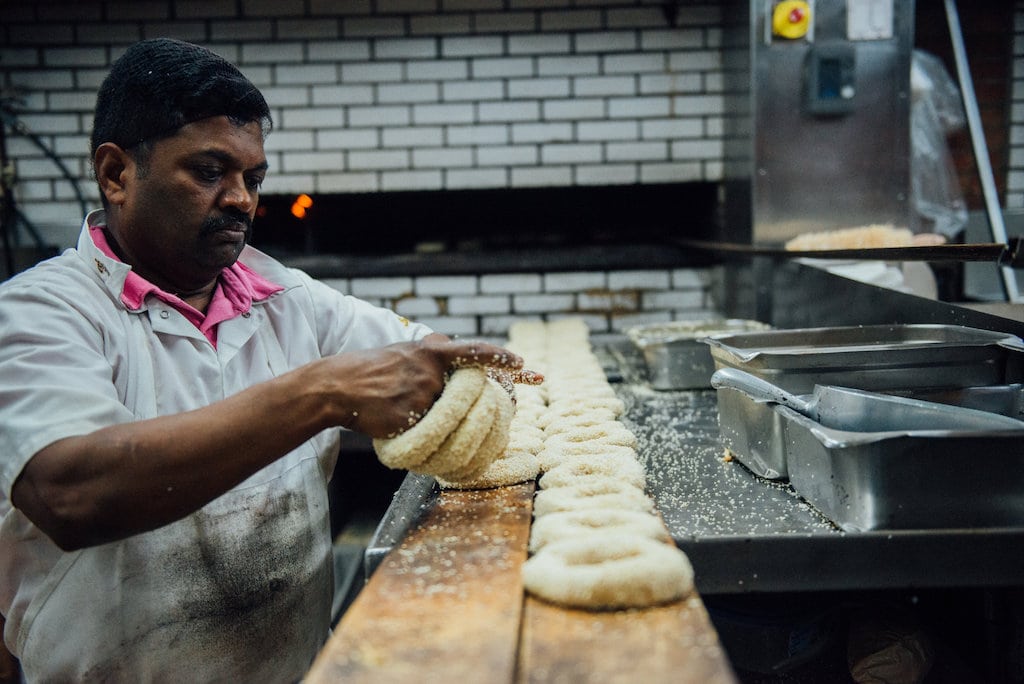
[{"x": 461, "y": 435}]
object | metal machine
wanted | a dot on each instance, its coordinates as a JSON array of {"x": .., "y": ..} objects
[{"x": 818, "y": 116}]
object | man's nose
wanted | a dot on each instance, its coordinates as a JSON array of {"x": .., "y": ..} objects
[{"x": 237, "y": 194}]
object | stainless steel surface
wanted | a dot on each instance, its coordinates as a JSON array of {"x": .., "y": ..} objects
[
  {"x": 675, "y": 355},
  {"x": 843, "y": 408},
  {"x": 752, "y": 432},
  {"x": 413, "y": 498},
  {"x": 907, "y": 479},
  {"x": 791, "y": 169},
  {"x": 1006, "y": 400},
  {"x": 744, "y": 533},
  {"x": 1010, "y": 253},
  {"x": 873, "y": 357}
]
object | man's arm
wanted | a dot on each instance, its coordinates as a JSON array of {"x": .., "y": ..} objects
[{"x": 134, "y": 477}]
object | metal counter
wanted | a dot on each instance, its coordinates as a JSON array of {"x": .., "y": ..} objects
[{"x": 746, "y": 534}]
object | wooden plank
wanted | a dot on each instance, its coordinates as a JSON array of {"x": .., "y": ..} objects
[
  {"x": 446, "y": 605},
  {"x": 671, "y": 643}
]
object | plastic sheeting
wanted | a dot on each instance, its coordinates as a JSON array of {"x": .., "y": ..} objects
[{"x": 937, "y": 110}]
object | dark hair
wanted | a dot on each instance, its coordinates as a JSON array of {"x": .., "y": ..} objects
[{"x": 159, "y": 85}]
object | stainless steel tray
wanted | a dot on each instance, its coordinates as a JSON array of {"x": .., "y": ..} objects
[
  {"x": 675, "y": 354},
  {"x": 874, "y": 357},
  {"x": 1006, "y": 400},
  {"x": 753, "y": 431},
  {"x": 906, "y": 479}
]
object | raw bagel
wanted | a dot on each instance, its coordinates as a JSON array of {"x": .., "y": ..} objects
[
  {"x": 457, "y": 452},
  {"x": 591, "y": 388},
  {"x": 415, "y": 445},
  {"x": 580, "y": 406},
  {"x": 567, "y": 423},
  {"x": 611, "y": 432},
  {"x": 604, "y": 493},
  {"x": 608, "y": 570},
  {"x": 551, "y": 457},
  {"x": 578, "y": 524},
  {"x": 512, "y": 468},
  {"x": 524, "y": 440},
  {"x": 493, "y": 445},
  {"x": 575, "y": 468}
]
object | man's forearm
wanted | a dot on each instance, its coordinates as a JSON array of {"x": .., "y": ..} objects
[{"x": 131, "y": 478}]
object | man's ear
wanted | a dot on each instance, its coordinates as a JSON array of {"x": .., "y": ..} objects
[{"x": 112, "y": 165}]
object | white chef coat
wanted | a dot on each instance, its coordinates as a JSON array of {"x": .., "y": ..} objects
[{"x": 239, "y": 590}]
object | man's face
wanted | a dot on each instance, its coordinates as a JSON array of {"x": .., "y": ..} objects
[{"x": 189, "y": 213}]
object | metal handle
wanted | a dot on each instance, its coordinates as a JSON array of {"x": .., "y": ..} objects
[{"x": 761, "y": 390}]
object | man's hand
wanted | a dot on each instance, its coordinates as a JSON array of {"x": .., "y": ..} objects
[{"x": 383, "y": 391}]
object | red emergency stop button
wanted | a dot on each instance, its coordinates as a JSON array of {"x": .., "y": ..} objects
[{"x": 791, "y": 19}]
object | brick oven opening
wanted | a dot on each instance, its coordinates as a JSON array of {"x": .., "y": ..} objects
[{"x": 451, "y": 222}]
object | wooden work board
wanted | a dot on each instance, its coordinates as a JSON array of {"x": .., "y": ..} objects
[{"x": 447, "y": 605}]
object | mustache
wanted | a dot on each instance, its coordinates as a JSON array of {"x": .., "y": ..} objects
[{"x": 227, "y": 220}]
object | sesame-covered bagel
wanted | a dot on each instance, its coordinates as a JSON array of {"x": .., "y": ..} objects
[
  {"x": 480, "y": 439},
  {"x": 512, "y": 467},
  {"x": 414, "y": 446},
  {"x": 605, "y": 493},
  {"x": 463, "y": 432},
  {"x": 457, "y": 452},
  {"x": 609, "y": 570},
  {"x": 579, "y": 468},
  {"x": 578, "y": 524}
]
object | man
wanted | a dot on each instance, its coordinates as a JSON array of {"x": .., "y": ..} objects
[{"x": 171, "y": 399}]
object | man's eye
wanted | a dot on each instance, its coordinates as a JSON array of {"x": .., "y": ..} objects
[
  {"x": 207, "y": 173},
  {"x": 254, "y": 182}
]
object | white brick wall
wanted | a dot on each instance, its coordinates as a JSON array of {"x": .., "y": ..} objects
[
  {"x": 1015, "y": 175},
  {"x": 406, "y": 95},
  {"x": 486, "y": 304},
  {"x": 399, "y": 94}
]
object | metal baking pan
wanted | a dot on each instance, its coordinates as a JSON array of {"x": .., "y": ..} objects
[
  {"x": 906, "y": 479},
  {"x": 1006, "y": 400},
  {"x": 675, "y": 355},
  {"x": 874, "y": 357},
  {"x": 753, "y": 431}
]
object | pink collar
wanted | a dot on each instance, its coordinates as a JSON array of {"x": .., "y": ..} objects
[{"x": 238, "y": 287}]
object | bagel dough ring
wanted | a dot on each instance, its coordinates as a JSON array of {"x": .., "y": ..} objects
[
  {"x": 591, "y": 389},
  {"x": 576, "y": 407},
  {"x": 512, "y": 468},
  {"x": 457, "y": 451},
  {"x": 576, "y": 468},
  {"x": 566, "y": 423},
  {"x": 551, "y": 457},
  {"x": 612, "y": 432},
  {"x": 491, "y": 447},
  {"x": 577, "y": 524},
  {"x": 608, "y": 571},
  {"x": 412, "y": 447},
  {"x": 604, "y": 493},
  {"x": 523, "y": 440}
]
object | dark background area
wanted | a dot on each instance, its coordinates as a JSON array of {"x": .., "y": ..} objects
[{"x": 473, "y": 220}]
